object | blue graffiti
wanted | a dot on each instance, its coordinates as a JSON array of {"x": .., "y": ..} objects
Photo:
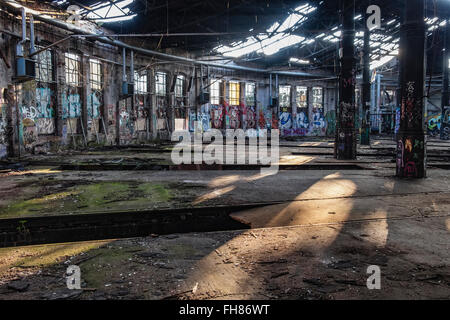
[
  {"x": 43, "y": 103},
  {"x": 285, "y": 120},
  {"x": 93, "y": 105},
  {"x": 71, "y": 106},
  {"x": 302, "y": 120}
]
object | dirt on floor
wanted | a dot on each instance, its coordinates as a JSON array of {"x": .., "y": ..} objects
[
  {"x": 300, "y": 262},
  {"x": 317, "y": 243}
]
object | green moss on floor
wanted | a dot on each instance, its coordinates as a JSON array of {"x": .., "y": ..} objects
[
  {"x": 90, "y": 198},
  {"x": 107, "y": 264}
]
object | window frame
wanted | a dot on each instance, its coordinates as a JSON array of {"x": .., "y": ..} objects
[
  {"x": 74, "y": 72},
  {"x": 315, "y": 104},
  {"x": 288, "y": 101},
  {"x": 140, "y": 82},
  {"x": 234, "y": 93},
  {"x": 179, "y": 87},
  {"x": 299, "y": 103},
  {"x": 250, "y": 93},
  {"x": 48, "y": 66},
  {"x": 95, "y": 78},
  {"x": 214, "y": 91},
  {"x": 162, "y": 85}
]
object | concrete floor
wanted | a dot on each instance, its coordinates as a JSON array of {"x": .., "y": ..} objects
[{"x": 316, "y": 244}]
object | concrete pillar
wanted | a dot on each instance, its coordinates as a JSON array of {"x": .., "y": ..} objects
[
  {"x": 411, "y": 139},
  {"x": 365, "y": 123},
  {"x": 445, "y": 82},
  {"x": 345, "y": 144}
]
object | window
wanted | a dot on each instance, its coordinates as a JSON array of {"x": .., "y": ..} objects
[
  {"x": 284, "y": 93},
  {"x": 250, "y": 94},
  {"x": 214, "y": 91},
  {"x": 179, "y": 85},
  {"x": 140, "y": 82},
  {"x": 302, "y": 97},
  {"x": 317, "y": 97},
  {"x": 44, "y": 66},
  {"x": 72, "y": 69},
  {"x": 160, "y": 81},
  {"x": 234, "y": 93},
  {"x": 95, "y": 74}
]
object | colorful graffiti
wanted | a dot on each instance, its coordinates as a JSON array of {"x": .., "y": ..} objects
[
  {"x": 126, "y": 121},
  {"x": 274, "y": 121},
  {"x": 217, "y": 115},
  {"x": 71, "y": 106},
  {"x": 265, "y": 118},
  {"x": 250, "y": 118},
  {"x": 297, "y": 132},
  {"x": 301, "y": 120},
  {"x": 285, "y": 120},
  {"x": 410, "y": 155},
  {"x": 397, "y": 119},
  {"x": 45, "y": 125},
  {"x": 45, "y": 111},
  {"x": 29, "y": 137},
  {"x": 44, "y": 104},
  {"x": 318, "y": 126},
  {"x": 192, "y": 120},
  {"x": 29, "y": 112},
  {"x": 232, "y": 117},
  {"x": 330, "y": 119},
  {"x": 94, "y": 103},
  {"x": 434, "y": 124},
  {"x": 204, "y": 117},
  {"x": 411, "y": 106}
]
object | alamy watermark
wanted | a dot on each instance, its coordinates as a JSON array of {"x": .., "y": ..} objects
[
  {"x": 374, "y": 280},
  {"x": 73, "y": 277},
  {"x": 190, "y": 148}
]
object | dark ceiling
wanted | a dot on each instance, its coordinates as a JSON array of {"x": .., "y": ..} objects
[{"x": 233, "y": 19}]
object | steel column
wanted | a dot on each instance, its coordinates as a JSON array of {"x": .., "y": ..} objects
[
  {"x": 445, "y": 105},
  {"x": 411, "y": 139},
  {"x": 345, "y": 143},
  {"x": 365, "y": 123}
]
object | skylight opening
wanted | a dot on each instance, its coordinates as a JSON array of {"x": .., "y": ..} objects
[
  {"x": 299, "y": 61},
  {"x": 114, "y": 12},
  {"x": 277, "y": 36}
]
